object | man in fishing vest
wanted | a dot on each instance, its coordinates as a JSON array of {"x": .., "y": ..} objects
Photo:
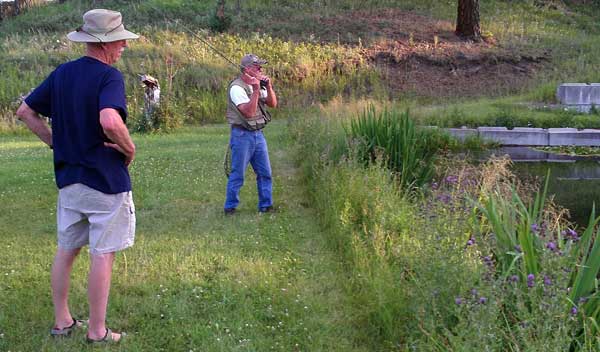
[{"x": 249, "y": 94}]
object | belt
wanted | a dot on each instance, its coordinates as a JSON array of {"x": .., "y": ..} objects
[{"x": 239, "y": 127}]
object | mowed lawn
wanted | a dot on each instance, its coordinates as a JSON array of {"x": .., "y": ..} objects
[{"x": 195, "y": 280}]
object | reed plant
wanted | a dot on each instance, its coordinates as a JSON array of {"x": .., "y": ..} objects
[{"x": 407, "y": 150}]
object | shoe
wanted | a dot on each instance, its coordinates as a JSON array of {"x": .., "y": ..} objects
[
  {"x": 107, "y": 339},
  {"x": 268, "y": 209},
  {"x": 229, "y": 211},
  {"x": 66, "y": 331}
]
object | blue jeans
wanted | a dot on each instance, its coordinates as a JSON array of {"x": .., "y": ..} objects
[{"x": 249, "y": 147}]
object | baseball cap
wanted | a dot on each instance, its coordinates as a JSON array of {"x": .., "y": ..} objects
[{"x": 252, "y": 59}]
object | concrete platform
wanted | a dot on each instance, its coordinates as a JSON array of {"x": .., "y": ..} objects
[
  {"x": 572, "y": 136},
  {"x": 525, "y": 136},
  {"x": 516, "y": 136}
]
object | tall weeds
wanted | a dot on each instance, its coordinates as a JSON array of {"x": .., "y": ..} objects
[
  {"x": 532, "y": 247},
  {"x": 408, "y": 151}
]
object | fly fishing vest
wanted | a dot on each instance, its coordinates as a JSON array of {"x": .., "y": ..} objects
[{"x": 235, "y": 116}]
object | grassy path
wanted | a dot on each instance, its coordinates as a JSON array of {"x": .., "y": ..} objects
[{"x": 195, "y": 280}]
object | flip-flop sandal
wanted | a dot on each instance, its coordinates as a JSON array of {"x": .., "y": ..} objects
[
  {"x": 108, "y": 338},
  {"x": 66, "y": 331}
]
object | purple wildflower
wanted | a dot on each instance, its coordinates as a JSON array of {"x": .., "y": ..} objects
[
  {"x": 551, "y": 246},
  {"x": 470, "y": 242},
  {"x": 530, "y": 280},
  {"x": 574, "y": 311},
  {"x": 482, "y": 300},
  {"x": 458, "y": 301},
  {"x": 572, "y": 234},
  {"x": 535, "y": 228},
  {"x": 444, "y": 198},
  {"x": 434, "y": 185},
  {"x": 518, "y": 249},
  {"x": 452, "y": 179},
  {"x": 514, "y": 278},
  {"x": 547, "y": 281},
  {"x": 474, "y": 292}
]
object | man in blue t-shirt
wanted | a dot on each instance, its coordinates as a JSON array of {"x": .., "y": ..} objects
[{"x": 85, "y": 100}]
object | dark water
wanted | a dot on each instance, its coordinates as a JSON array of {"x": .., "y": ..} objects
[{"x": 574, "y": 181}]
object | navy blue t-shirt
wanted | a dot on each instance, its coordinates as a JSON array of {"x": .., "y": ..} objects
[{"x": 72, "y": 96}]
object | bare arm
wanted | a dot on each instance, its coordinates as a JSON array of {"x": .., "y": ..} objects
[
  {"x": 117, "y": 132},
  {"x": 35, "y": 123}
]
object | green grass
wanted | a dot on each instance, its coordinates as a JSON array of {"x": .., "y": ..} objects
[{"x": 194, "y": 280}]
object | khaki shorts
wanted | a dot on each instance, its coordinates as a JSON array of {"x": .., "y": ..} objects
[{"x": 86, "y": 216}]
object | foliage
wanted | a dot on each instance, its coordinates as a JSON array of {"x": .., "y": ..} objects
[
  {"x": 450, "y": 273},
  {"x": 506, "y": 112},
  {"x": 393, "y": 136},
  {"x": 531, "y": 249}
]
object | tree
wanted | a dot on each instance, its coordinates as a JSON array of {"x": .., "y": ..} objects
[{"x": 467, "y": 20}]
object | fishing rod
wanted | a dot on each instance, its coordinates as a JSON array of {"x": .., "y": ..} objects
[
  {"x": 227, "y": 161},
  {"x": 195, "y": 35},
  {"x": 263, "y": 83}
]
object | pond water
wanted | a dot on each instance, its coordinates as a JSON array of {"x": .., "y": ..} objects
[{"x": 574, "y": 180}]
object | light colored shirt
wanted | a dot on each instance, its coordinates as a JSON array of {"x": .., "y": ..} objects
[{"x": 238, "y": 95}]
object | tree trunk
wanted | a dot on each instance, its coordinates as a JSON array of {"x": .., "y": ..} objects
[
  {"x": 467, "y": 20},
  {"x": 221, "y": 10}
]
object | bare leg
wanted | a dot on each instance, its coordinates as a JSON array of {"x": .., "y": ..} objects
[
  {"x": 60, "y": 280},
  {"x": 98, "y": 290}
]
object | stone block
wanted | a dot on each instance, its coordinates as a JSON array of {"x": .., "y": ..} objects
[
  {"x": 572, "y": 136},
  {"x": 517, "y": 136}
]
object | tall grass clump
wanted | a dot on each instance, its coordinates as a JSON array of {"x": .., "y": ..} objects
[{"x": 407, "y": 150}]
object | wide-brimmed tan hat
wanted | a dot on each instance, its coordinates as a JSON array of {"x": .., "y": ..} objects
[{"x": 101, "y": 26}]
